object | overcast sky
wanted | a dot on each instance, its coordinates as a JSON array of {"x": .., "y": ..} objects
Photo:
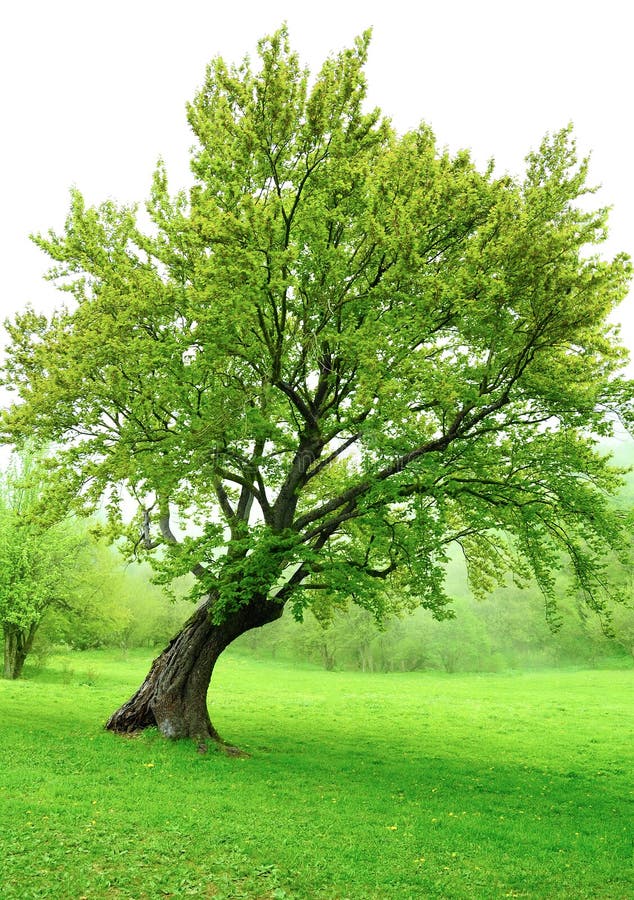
[{"x": 93, "y": 94}]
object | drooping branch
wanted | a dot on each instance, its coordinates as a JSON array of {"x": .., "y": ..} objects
[
  {"x": 170, "y": 538},
  {"x": 145, "y": 539}
]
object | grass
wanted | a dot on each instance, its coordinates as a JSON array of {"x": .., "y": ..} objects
[{"x": 359, "y": 786}]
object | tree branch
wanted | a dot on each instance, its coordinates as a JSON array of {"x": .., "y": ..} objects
[
  {"x": 332, "y": 456},
  {"x": 170, "y": 538},
  {"x": 223, "y": 500}
]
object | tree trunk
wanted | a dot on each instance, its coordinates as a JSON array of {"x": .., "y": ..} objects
[
  {"x": 173, "y": 696},
  {"x": 17, "y": 644}
]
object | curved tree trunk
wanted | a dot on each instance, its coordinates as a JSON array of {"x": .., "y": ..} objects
[{"x": 173, "y": 696}]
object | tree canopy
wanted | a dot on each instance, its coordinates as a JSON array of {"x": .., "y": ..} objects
[{"x": 340, "y": 352}]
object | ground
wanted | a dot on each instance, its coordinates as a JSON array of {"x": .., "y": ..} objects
[{"x": 359, "y": 786}]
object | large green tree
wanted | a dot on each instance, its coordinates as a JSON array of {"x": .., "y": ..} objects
[{"x": 339, "y": 353}]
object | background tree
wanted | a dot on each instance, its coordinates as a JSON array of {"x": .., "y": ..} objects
[
  {"x": 115, "y": 605},
  {"x": 39, "y": 563},
  {"x": 339, "y": 354}
]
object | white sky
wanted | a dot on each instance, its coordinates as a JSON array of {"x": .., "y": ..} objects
[{"x": 93, "y": 94}]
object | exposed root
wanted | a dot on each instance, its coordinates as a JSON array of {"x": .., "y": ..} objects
[
  {"x": 220, "y": 746},
  {"x": 230, "y": 750}
]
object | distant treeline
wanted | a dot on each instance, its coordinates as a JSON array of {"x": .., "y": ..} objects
[{"x": 506, "y": 630}]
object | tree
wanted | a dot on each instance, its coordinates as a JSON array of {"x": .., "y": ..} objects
[
  {"x": 37, "y": 561},
  {"x": 114, "y": 604},
  {"x": 340, "y": 353}
]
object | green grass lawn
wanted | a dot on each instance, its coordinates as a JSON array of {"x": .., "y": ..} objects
[{"x": 359, "y": 786}]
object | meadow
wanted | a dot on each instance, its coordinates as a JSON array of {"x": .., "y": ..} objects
[{"x": 364, "y": 786}]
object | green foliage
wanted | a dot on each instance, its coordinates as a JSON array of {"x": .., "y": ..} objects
[
  {"x": 506, "y": 630},
  {"x": 34, "y": 559},
  {"x": 368, "y": 787},
  {"x": 339, "y": 354},
  {"x": 58, "y": 585},
  {"x": 117, "y": 605},
  {"x": 41, "y": 564}
]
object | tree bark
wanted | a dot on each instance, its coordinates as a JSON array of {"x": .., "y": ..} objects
[
  {"x": 17, "y": 645},
  {"x": 173, "y": 696}
]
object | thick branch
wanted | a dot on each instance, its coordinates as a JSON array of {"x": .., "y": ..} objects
[
  {"x": 303, "y": 409},
  {"x": 461, "y": 425},
  {"x": 356, "y": 491},
  {"x": 248, "y": 492},
  {"x": 310, "y": 446},
  {"x": 223, "y": 500}
]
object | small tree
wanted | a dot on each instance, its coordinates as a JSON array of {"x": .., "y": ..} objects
[
  {"x": 38, "y": 562},
  {"x": 340, "y": 353}
]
